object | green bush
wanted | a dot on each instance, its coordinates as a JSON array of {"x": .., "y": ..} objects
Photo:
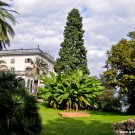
[
  {"x": 75, "y": 91},
  {"x": 107, "y": 102},
  {"x": 18, "y": 110}
]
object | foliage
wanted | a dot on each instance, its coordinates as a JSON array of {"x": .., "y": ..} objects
[
  {"x": 104, "y": 82},
  {"x": 72, "y": 52},
  {"x": 3, "y": 65},
  {"x": 5, "y": 29},
  {"x": 74, "y": 91},
  {"x": 37, "y": 69},
  {"x": 121, "y": 68},
  {"x": 107, "y": 101},
  {"x": 18, "y": 110},
  {"x": 127, "y": 127}
]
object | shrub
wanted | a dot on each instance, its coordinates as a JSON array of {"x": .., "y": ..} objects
[
  {"x": 74, "y": 91},
  {"x": 18, "y": 110},
  {"x": 107, "y": 101}
]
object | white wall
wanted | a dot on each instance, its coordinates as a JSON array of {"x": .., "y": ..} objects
[{"x": 19, "y": 64}]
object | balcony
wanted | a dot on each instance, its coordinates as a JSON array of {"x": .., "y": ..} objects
[{"x": 19, "y": 73}]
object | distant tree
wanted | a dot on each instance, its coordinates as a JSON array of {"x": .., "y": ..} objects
[
  {"x": 6, "y": 30},
  {"x": 121, "y": 69},
  {"x": 108, "y": 102},
  {"x": 72, "y": 52},
  {"x": 36, "y": 70},
  {"x": 104, "y": 82}
]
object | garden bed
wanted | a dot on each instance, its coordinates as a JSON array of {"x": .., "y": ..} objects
[{"x": 74, "y": 114}]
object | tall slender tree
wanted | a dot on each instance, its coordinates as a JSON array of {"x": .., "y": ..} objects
[
  {"x": 6, "y": 30},
  {"x": 72, "y": 52}
]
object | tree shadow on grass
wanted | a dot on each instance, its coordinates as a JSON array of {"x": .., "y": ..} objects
[
  {"x": 76, "y": 126},
  {"x": 106, "y": 113}
]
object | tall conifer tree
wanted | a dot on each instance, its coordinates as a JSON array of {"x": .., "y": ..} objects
[{"x": 72, "y": 52}]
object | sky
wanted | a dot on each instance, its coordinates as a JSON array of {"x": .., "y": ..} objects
[{"x": 42, "y": 22}]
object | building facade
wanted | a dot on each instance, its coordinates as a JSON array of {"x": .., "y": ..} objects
[{"x": 18, "y": 60}]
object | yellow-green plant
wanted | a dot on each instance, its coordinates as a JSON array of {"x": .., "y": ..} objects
[{"x": 74, "y": 91}]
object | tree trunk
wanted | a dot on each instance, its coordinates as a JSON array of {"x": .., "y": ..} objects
[
  {"x": 36, "y": 88},
  {"x": 67, "y": 106},
  {"x": 76, "y": 107}
]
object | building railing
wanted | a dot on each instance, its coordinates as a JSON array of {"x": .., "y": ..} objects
[{"x": 19, "y": 72}]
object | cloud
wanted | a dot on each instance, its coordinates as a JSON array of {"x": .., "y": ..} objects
[
  {"x": 109, "y": 8},
  {"x": 42, "y": 22},
  {"x": 97, "y": 55},
  {"x": 96, "y": 68},
  {"x": 96, "y": 61}
]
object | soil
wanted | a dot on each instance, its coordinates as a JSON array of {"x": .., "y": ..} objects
[{"x": 74, "y": 114}]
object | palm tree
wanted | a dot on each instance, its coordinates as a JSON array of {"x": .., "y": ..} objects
[
  {"x": 5, "y": 29},
  {"x": 3, "y": 65},
  {"x": 38, "y": 68}
]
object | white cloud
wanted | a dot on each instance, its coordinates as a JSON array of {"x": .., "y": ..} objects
[
  {"x": 96, "y": 59},
  {"x": 42, "y": 22},
  {"x": 96, "y": 68},
  {"x": 96, "y": 54}
]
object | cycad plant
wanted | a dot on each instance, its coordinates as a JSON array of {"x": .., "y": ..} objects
[
  {"x": 38, "y": 68},
  {"x": 6, "y": 30},
  {"x": 75, "y": 91},
  {"x": 18, "y": 110}
]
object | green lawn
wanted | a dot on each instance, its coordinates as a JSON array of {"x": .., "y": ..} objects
[{"x": 98, "y": 123}]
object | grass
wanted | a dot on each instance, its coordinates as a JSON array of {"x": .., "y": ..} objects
[{"x": 98, "y": 123}]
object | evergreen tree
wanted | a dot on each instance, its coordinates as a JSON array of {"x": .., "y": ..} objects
[{"x": 72, "y": 52}]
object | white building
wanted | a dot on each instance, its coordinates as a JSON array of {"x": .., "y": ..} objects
[{"x": 18, "y": 60}]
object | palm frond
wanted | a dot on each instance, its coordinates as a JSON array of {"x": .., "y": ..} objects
[{"x": 5, "y": 29}]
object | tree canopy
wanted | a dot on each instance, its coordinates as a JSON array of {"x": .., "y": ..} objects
[
  {"x": 72, "y": 52},
  {"x": 121, "y": 68}
]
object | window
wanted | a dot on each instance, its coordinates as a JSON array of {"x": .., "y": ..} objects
[
  {"x": 12, "y": 60},
  {"x": 31, "y": 85},
  {"x": 12, "y": 69},
  {"x": 28, "y": 60},
  {"x": 27, "y": 68},
  {"x": 28, "y": 83}
]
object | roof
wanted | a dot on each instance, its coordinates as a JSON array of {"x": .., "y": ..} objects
[{"x": 34, "y": 51}]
